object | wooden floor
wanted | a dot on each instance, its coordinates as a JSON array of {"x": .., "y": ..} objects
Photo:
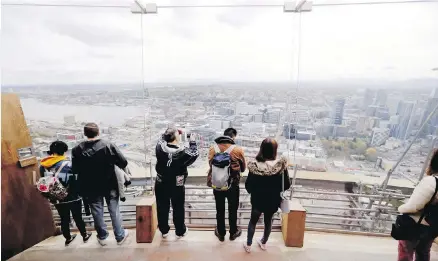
[{"x": 203, "y": 246}]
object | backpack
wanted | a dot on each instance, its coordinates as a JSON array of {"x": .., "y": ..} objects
[
  {"x": 220, "y": 168},
  {"x": 51, "y": 188}
]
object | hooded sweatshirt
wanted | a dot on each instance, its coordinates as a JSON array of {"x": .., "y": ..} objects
[
  {"x": 50, "y": 165},
  {"x": 172, "y": 162},
  {"x": 265, "y": 184},
  {"x": 123, "y": 180},
  {"x": 94, "y": 161}
]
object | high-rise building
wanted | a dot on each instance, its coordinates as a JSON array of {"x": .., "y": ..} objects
[
  {"x": 368, "y": 98},
  {"x": 371, "y": 111},
  {"x": 381, "y": 98},
  {"x": 380, "y": 135},
  {"x": 382, "y": 113},
  {"x": 432, "y": 124},
  {"x": 272, "y": 116},
  {"x": 362, "y": 124},
  {"x": 405, "y": 111},
  {"x": 338, "y": 111},
  {"x": 289, "y": 131}
]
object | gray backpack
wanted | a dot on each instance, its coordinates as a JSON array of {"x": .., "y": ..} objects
[{"x": 220, "y": 168}]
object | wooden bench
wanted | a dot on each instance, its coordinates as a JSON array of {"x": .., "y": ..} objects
[
  {"x": 293, "y": 225},
  {"x": 146, "y": 224}
]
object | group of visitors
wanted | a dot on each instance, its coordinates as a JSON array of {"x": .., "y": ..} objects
[
  {"x": 267, "y": 178},
  {"x": 90, "y": 177},
  {"x": 98, "y": 171}
]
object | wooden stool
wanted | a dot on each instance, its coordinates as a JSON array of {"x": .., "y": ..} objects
[
  {"x": 146, "y": 211},
  {"x": 293, "y": 225}
]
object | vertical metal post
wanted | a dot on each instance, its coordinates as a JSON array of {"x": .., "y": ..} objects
[{"x": 294, "y": 178}]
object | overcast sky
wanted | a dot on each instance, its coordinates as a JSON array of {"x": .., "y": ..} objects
[{"x": 52, "y": 45}]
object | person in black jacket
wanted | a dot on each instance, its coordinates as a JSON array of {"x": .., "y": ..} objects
[
  {"x": 56, "y": 162},
  {"x": 267, "y": 178},
  {"x": 172, "y": 163},
  {"x": 94, "y": 160}
]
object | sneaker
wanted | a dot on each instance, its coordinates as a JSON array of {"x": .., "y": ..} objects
[
  {"x": 261, "y": 245},
  {"x": 102, "y": 242},
  {"x": 165, "y": 235},
  {"x": 87, "y": 237},
  {"x": 124, "y": 238},
  {"x": 246, "y": 247},
  {"x": 68, "y": 241},
  {"x": 185, "y": 234},
  {"x": 236, "y": 235},
  {"x": 221, "y": 238}
]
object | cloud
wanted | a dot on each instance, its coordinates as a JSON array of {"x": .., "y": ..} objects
[
  {"x": 93, "y": 34},
  {"x": 103, "y": 45}
]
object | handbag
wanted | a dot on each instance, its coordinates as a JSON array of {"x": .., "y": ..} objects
[
  {"x": 405, "y": 227},
  {"x": 284, "y": 205}
]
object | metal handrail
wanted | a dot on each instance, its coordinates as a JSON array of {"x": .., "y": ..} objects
[{"x": 347, "y": 216}]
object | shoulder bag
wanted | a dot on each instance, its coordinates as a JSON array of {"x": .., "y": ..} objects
[{"x": 405, "y": 227}]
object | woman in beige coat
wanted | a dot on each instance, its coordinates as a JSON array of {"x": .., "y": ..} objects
[{"x": 422, "y": 194}]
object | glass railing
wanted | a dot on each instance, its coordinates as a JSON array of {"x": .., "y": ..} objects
[{"x": 343, "y": 89}]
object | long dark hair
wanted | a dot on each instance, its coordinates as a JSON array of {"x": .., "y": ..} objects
[
  {"x": 433, "y": 165},
  {"x": 268, "y": 150}
]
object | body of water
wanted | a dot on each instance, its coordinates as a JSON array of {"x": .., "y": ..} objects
[{"x": 109, "y": 115}]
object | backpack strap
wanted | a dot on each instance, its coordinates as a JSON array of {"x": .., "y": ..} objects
[
  {"x": 216, "y": 148},
  {"x": 430, "y": 201},
  {"x": 63, "y": 164},
  {"x": 230, "y": 149}
]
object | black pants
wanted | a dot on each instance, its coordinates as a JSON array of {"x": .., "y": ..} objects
[
  {"x": 64, "y": 210},
  {"x": 255, "y": 216},
  {"x": 232, "y": 195},
  {"x": 166, "y": 195}
]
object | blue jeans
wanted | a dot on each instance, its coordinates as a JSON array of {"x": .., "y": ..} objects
[{"x": 96, "y": 206}]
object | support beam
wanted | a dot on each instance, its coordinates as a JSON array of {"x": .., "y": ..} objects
[
  {"x": 298, "y": 6},
  {"x": 143, "y": 8}
]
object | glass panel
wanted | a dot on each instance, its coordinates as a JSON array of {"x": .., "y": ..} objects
[
  {"x": 368, "y": 82},
  {"x": 73, "y": 65}
]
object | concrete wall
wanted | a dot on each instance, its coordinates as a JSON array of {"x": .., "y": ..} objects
[{"x": 25, "y": 215}]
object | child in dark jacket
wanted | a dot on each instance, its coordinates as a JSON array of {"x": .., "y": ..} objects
[
  {"x": 73, "y": 202},
  {"x": 267, "y": 178}
]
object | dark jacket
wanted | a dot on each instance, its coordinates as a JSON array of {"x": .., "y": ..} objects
[
  {"x": 50, "y": 165},
  {"x": 172, "y": 162},
  {"x": 264, "y": 183},
  {"x": 94, "y": 162},
  {"x": 238, "y": 163}
]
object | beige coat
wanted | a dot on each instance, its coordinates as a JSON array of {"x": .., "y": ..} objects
[{"x": 419, "y": 198}]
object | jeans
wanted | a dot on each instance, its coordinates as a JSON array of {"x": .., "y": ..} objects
[
  {"x": 232, "y": 195},
  {"x": 255, "y": 216},
  {"x": 96, "y": 206},
  {"x": 165, "y": 195},
  {"x": 64, "y": 210}
]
